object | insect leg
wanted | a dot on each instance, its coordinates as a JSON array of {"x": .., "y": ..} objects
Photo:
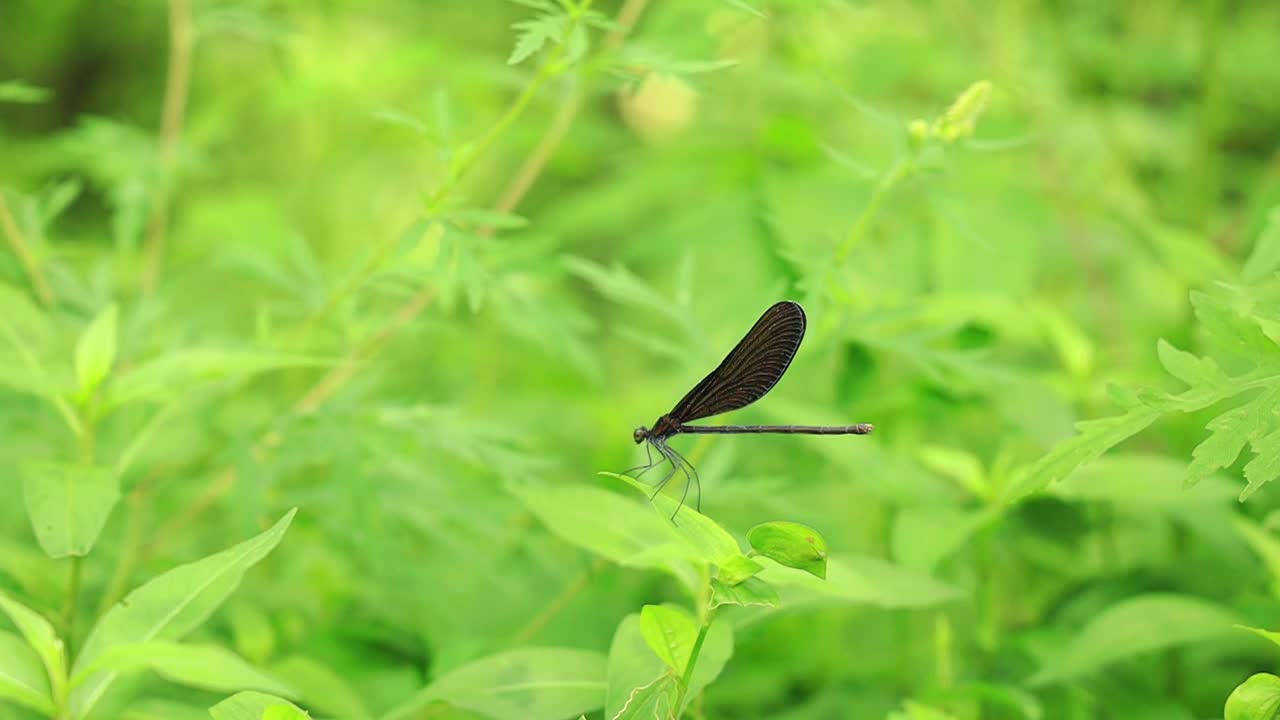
[
  {"x": 648, "y": 456},
  {"x": 689, "y": 479},
  {"x": 666, "y": 452}
]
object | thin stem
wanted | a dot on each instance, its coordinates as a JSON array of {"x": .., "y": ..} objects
[
  {"x": 890, "y": 179},
  {"x": 176, "y": 89},
  {"x": 693, "y": 659},
  {"x": 18, "y": 243},
  {"x": 1205, "y": 195},
  {"x": 558, "y": 603},
  {"x": 69, "y": 606},
  {"x": 129, "y": 553}
]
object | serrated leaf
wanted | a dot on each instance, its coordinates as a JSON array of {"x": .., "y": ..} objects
[
  {"x": 22, "y": 677},
  {"x": 737, "y": 569},
  {"x": 1093, "y": 438},
  {"x": 1228, "y": 330},
  {"x": 1265, "y": 257},
  {"x": 532, "y": 683},
  {"x": 1257, "y": 698},
  {"x": 1230, "y": 432},
  {"x": 68, "y": 505},
  {"x": 251, "y": 705},
  {"x": 96, "y": 350},
  {"x": 751, "y": 592},
  {"x": 1265, "y": 466},
  {"x": 534, "y": 35},
  {"x": 1188, "y": 368},
  {"x": 169, "y": 606},
  {"x": 791, "y": 544},
  {"x": 670, "y": 633},
  {"x": 1133, "y": 627}
]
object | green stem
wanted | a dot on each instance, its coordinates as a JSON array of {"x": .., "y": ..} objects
[
  {"x": 548, "y": 69},
  {"x": 693, "y": 660},
  {"x": 69, "y": 610},
  {"x": 891, "y": 178}
]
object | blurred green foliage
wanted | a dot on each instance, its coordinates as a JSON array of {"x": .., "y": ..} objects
[{"x": 416, "y": 269}]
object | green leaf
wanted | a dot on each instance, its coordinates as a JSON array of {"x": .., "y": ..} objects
[
  {"x": 251, "y": 705},
  {"x": 1188, "y": 368},
  {"x": 323, "y": 690},
  {"x": 534, "y": 35},
  {"x": 1265, "y": 466},
  {"x": 632, "y": 665},
  {"x": 1229, "y": 432},
  {"x": 207, "y": 667},
  {"x": 529, "y": 684},
  {"x": 22, "y": 678},
  {"x": 1265, "y": 258},
  {"x": 717, "y": 649},
  {"x": 703, "y": 536},
  {"x": 1135, "y": 626},
  {"x": 284, "y": 712},
  {"x": 737, "y": 569},
  {"x": 610, "y": 525},
  {"x": 1271, "y": 635},
  {"x": 670, "y": 633},
  {"x": 1257, "y": 698},
  {"x": 654, "y": 701},
  {"x": 753, "y": 591},
  {"x": 17, "y": 91},
  {"x": 41, "y": 637},
  {"x": 169, "y": 606},
  {"x": 68, "y": 504},
  {"x": 858, "y": 580},
  {"x": 791, "y": 544},
  {"x": 156, "y": 709},
  {"x": 1093, "y": 439},
  {"x": 96, "y": 351},
  {"x": 181, "y": 369}
]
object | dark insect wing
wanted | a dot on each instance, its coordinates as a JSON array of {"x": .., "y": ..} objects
[{"x": 751, "y": 369}]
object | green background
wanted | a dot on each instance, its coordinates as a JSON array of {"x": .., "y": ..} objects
[{"x": 419, "y": 273}]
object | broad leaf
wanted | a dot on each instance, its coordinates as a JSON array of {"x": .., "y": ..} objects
[
  {"x": 169, "y": 606},
  {"x": 22, "y": 678},
  {"x": 207, "y": 667},
  {"x": 654, "y": 701},
  {"x": 68, "y": 504},
  {"x": 632, "y": 665},
  {"x": 1257, "y": 698},
  {"x": 670, "y": 633},
  {"x": 96, "y": 351},
  {"x": 859, "y": 580},
  {"x": 1135, "y": 626},
  {"x": 791, "y": 544},
  {"x": 737, "y": 569},
  {"x": 526, "y": 684},
  {"x": 753, "y": 591},
  {"x": 251, "y": 705},
  {"x": 704, "y": 536},
  {"x": 40, "y": 635}
]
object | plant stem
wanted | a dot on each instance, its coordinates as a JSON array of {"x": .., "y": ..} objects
[
  {"x": 558, "y": 603},
  {"x": 23, "y": 251},
  {"x": 176, "y": 88},
  {"x": 892, "y": 176},
  {"x": 693, "y": 659},
  {"x": 69, "y": 609}
]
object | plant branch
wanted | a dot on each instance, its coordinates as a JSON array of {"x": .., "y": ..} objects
[
  {"x": 556, "y": 132},
  {"x": 177, "y": 87},
  {"x": 23, "y": 251}
]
